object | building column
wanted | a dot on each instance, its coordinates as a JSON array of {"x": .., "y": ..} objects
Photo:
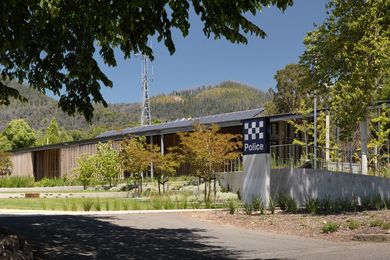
[{"x": 363, "y": 137}]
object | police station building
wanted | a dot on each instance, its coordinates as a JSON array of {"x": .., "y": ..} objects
[{"x": 59, "y": 160}]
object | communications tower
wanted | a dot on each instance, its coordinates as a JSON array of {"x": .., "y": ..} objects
[{"x": 145, "y": 110}]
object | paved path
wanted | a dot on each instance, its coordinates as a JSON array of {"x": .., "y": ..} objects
[{"x": 172, "y": 236}]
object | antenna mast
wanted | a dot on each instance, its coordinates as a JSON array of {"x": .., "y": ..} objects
[{"x": 145, "y": 110}]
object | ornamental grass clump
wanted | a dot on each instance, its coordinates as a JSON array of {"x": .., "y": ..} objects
[
  {"x": 232, "y": 205},
  {"x": 330, "y": 227},
  {"x": 272, "y": 205},
  {"x": 97, "y": 205},
  {"x": 87, "y": 204},
  {"x": 311, "y": 206},
  {"x": 248, "y": 208},
  {"x": 352, "y": 224},
  {"x": 157, "y": 203}
]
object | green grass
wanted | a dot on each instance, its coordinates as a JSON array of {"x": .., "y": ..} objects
[
  {"x": 353, "y": 224},
  {"x": 23, "y": 182},
  {"x": 330, "y": 227},
  {"x": 376, "y": 223}
]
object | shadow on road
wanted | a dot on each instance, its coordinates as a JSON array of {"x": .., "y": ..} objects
[{"x": 85, "y": 237}]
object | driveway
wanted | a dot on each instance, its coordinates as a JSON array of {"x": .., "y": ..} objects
[{"x": 172, "y": 236}]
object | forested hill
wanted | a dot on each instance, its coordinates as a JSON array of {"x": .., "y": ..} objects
[{"x": 207, "y": 100}]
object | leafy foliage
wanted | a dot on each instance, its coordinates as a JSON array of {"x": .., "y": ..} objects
[
  {"x": 135, "y": 157},
  {"x": 350, "y": 51},
  {"x": 53, "y": 46},
  {"x": 206, "y": 150},
  {"x": 292, "y": 88},
  {"x": 20, "y": 134},
  {"x": 86, "y": 169},
  {"x": 107, "y": 162},
  {"x": 103, "y": 165},
  {"x": 5, "y": 164}
]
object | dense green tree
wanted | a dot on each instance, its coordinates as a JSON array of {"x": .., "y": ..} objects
[
  {"x": 350, "y": 51},
  {"x": 51, "y": 44},
  {"x": 20, "y": 134},
  {"x": 107, "y": 162},
  {"x": 5, "y": 144},
  {"x": 54, "y": 134},
  {"x": 292, "y": 87},
  {"x": 86, "y": 169}
]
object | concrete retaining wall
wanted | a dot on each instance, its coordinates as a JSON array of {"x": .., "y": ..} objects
[{"x": 303, "y": 183}]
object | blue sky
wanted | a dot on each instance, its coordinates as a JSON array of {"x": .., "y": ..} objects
[{"x": 200, "y": 61}]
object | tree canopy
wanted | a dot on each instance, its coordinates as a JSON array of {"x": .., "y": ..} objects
[
  {"x": 293, "y": 86},
  {"x": 350, "y": 56},
  {"x": 51, "y": 44},
  {"x": 19, "y": 134}
]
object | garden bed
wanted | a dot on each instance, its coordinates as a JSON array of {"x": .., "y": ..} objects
[
  {"x": 348, "y": 226},
  {"x": 106, "y": 204}
]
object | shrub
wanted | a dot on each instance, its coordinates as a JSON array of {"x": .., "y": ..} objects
[
  {"x": 365, "y": 202},
  {"x": 185, "y": 203},
  {"x": 135, "y": 205},
  {"x": 96, "y": 205},
  {"x": 377, "y": 202},
  {"x": 232, "y": 205},
  {"x": 125, "y": 205},
  {"x": 386, "y": 202},
  {"x": 73, "y": 206},
  {"x": 345, "y": 204},
  {"x": 291, "y": 206},
  {"x": 327, "y": 206},
  {"x": 65, "y": 206},
  {"x": 386, "y": 225},
  {"x": 258, "y": 205},
  {"x": 272, "y": 205},
  {"x": 168, "y": 203},
  {"x": 157, "y": 203},
  {"x": 248, "y": 208},
  {"x": 207, "y": 204},
  {"x": 282, "y": 201},
  {"x": 330, "y": 227},
  {"x": 311, "y": 205},
  {"x": 87, "y": 204},
  {"x": 353, "y": 224},
  {"x": 196, "y": 205},
  {"x": 376, "y": 223},
  {"x": 16, "y": 182},
  {"x": 5, "y": 164},
  {"x": 116, "y": 205}
]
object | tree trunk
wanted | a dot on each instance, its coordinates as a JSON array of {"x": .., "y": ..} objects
[
  {"x": 159, "y": 190},
  {"x": 209, "y": 191},
  {"x": 215, "y": 188}
]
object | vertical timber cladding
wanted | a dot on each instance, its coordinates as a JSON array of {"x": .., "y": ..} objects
[
  {"x": 257, "y": 160},
  {"x": 46, "y": 164},
  {"x": 22, "y": 163}
]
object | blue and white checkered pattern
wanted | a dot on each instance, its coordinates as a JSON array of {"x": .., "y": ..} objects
[{"x": 254, "y": 131}]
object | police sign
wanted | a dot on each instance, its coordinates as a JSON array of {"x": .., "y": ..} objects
[{"x": 256, "y": 136}]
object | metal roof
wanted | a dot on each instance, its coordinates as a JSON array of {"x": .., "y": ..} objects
[{"x": 234, "y": 118}]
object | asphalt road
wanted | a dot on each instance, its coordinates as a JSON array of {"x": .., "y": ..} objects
[{"x": 172, "y": 236}]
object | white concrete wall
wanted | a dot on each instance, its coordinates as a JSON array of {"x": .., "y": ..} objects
[{"x": 303, "y": 183}]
